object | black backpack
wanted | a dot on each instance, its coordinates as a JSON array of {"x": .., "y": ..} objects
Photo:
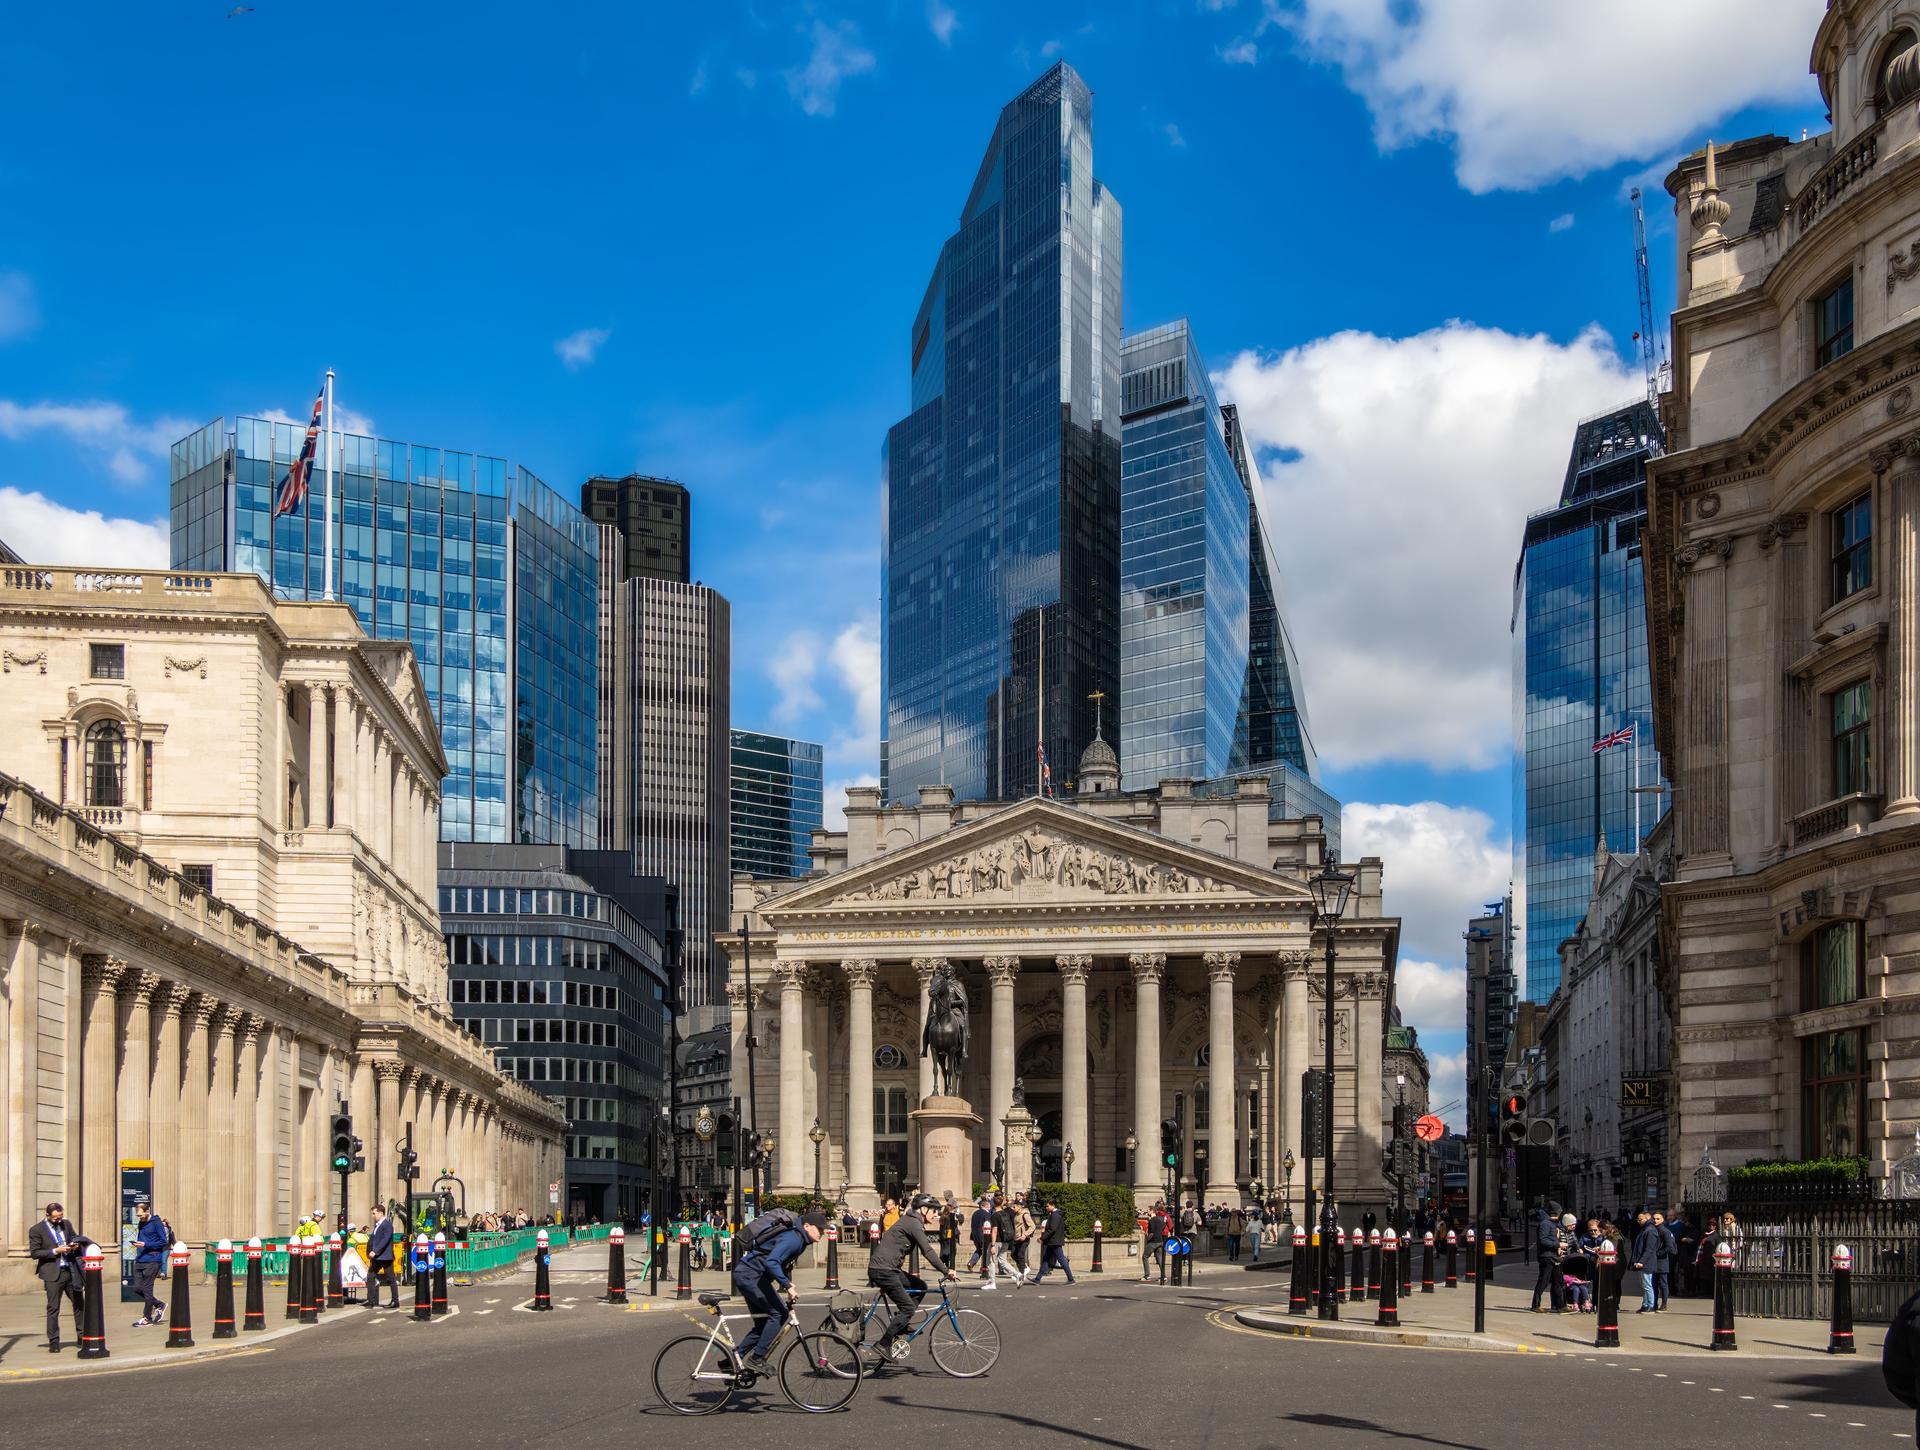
[
  {"x": 1896, "y": 1355},
  {"x": 762, "y": 1230}
]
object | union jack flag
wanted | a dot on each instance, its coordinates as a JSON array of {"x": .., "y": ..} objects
[
  {"x": 1607, "y": 742},
  {"x": 293, "y": 488},
  {"x": 1046, "y": 772}
]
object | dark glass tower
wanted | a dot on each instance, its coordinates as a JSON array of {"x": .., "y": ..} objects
[
  {"x": 777, "y": 803},
  {"x": 1002, "y": 487},
  {"x": 654, "y": 517},
  {"x": 1580, "y": 678}
]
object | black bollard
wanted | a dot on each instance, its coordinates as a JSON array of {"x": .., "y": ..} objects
[
  {"x": 1390, "y": 1284},
  {"x": 93, "y": 1313},
  {"x": 1095, "y": 1267},
  {"x": 1297, "y": 1286},
  {"x": 1426, "y": 1263},
  {"x": 1358, "y": 1291},
  {"x": 684, "y": 1288},
  {"x": 1473, "y": 1257},
  {"x": 1339, "y": 1265},
  {"x": 1606, "y": 1296},
  {"x": 734, "y": 1250},
  {"x": 617, "y": 1266},
  {"x": 223, "y": 1291},
  {"x": 1840, "y": 1334},
  {"x": 423, "y": 1279},
  {"x": 833, "y": 1256},
  {"x": 1453, "y": 1259},
  {"x": 542, "y": 1273},
  {"x": 295, "y": 1281},
  {"x": 336, "y": 1291},
  {"x": 311, "y": 1293},
  {"x": 1723, "y": 1335},
  {"x": 256, "y": 1313},
  {"x": 439, "y": 1262},
  {"x": 1374, "y": 1264},
  {"x": 179, "y": 1312}
]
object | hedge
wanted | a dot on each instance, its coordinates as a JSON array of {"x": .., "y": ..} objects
[
  {"x": 1799, "y": 1170},
  {"x": 1083, "y": 1203}
]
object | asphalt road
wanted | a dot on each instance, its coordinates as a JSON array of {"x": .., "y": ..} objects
[{"x": 1103, "y": 1363}]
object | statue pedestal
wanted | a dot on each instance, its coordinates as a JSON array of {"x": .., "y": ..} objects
[
  {"x": 946, "y": 1127},
  {"x": 1017, "y": 1135}
]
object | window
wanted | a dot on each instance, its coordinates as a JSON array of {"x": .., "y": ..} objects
[
  {"x": 1833, "y": 323},
  {"x": 200, "y": 876},
  {"x": 1852, "y": 746},
  {"x": 109, "y": 661},
  {"x": 1833, "y": 1120},
  {"x": 106, "y": 764},
  {"x": 1833, "y": 967},
  {"x": 1851, "y": 530}
]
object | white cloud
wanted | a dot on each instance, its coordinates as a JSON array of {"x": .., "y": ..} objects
[
  {"x": 802, "y": 669},
  {"x": 1430, "y": 997},
  {"x": 1447, "y": 1087},
  {"x": 792, "y": 668},
  {"x": 834, "y": 799},
  {"x": 942, "y": 21},
  {"x": 1409, "y": 467},
  {"x": 1528, "y": 93},
  {"x": 1561, "y": 223},
  {"x": 1174, "y": 138},
  {"x": 748, "y": 79},
  {"x": 19, "y": 309},
  {"x": 856, "y": 661},
  {"x": 131, "y": 449},
  {"x": 345, "y": 420},
  {"x": 1241, "y": 52},
  {"x": 1442, "y": 865},
  {"x": 578, "y": 349},
  {"x": 837, "y": 53},
  {"x": 44, "y": 532},
  {"x": 698, "y": 83}
]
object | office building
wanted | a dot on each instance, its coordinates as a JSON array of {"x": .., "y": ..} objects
[
  {"x": 654, "y": 517},
  {"x": 1001, "y": 555},
  {"x": 557, "y": 962},
  {"x": 486, "y": 572},
  {"x": 777, "y": 804},
  {"x": 1492, "y": 994},
  {"x": 1582, "y": 702}
]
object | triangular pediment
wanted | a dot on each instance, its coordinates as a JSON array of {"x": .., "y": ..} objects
[{"x": 1039, "y": 853}]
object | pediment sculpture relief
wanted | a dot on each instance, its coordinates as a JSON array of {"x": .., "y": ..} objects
[{"x": 1024, "y": 865}]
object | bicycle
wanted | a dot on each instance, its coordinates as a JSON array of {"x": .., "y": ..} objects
[
  {"x": 696, "y": 1374},
  {"x": 964, "y": 1343}
]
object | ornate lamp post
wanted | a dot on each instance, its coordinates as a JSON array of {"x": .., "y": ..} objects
[
  {"x": 819, "y": 1135},
  {"x": 1132, "y": 1146},
  {"x": 1331, "y": 886},
  {"x": 703, "y": 1130},
  {"x": 1286, "y": 1191},
  {"x": 1066, "y": 1157},
  {"x": 766, "y": 1167}
]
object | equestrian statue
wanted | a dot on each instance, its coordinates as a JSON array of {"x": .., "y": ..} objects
[{"x": 945, "y": 1036}]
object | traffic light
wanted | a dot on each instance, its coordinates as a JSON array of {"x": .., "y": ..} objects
[
  {"x": 1513, "y": 1119},
  {"x": 725, "y": 1141},
  {"x": 409, "y": 1165},
  {"x": 1542, "y": 1132},
  {"x": 1170, "y": 1147},
  {"x": 1313, "y": 1112},
  {"x": 344, "y": 1143},
  {"x": 1402, "y": 1121}
]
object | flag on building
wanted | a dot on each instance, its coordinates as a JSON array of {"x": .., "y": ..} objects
[
  {"x": 293, "y": 488},
  {"x": 1046, "y": 772},
  {"x": 1607, "y": 742}
]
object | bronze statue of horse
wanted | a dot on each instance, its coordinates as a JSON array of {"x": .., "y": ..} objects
[{"x": 945, "y": 1036}]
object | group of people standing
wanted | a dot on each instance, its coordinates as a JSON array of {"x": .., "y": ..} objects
[{"x": 1666, "y": 1251}]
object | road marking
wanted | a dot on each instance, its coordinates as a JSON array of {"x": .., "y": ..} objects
[
  {"x": 479, "y": 1312},
  {"x": 1716, "y": 1390},
  {"x": 1658, "y": 1375}
]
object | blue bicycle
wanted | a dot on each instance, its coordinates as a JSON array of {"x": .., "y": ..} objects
[{"x": 964, "y": 1342}]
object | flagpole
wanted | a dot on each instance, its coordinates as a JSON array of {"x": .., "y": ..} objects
[
  {"x": 1040, "y": 728},
  {"x": 1636, "y": 792},
  {"x": 328, "y": 574}
]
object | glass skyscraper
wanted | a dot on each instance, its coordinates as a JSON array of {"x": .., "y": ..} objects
[
  {"x": 1002, "y": 486},
  {"x": 1580, "y": 678},
  {"x": 777, "y": 803},
  {"x": 483, "y": 569}
]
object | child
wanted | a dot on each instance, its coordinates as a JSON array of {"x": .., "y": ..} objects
[{"x": 1579, "y": 1293}]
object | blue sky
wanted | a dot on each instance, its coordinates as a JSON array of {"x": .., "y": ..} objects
[{"x": 690, "y": 239}]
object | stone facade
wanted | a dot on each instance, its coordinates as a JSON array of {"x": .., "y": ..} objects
[
  {"x": 1792, "y": 922},
  {"x": 1127, "y": 957},
  {"x": 218, "y": 914}
]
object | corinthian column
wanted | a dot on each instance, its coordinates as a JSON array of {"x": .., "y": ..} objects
[
  {"x": 132, "y": 1095},
  {"x": 793, "y": 1144},
  {"x": 1903, "y": 642},
  {"x": 860, "y": 974},
  {"x": 252, "y": 1161},
  {"x": 196, "y": 1091},
  {"x": 1148, "y": 968},
  {"x": 227, "y": 1217},
  {"x": 924, "y": 968},
  {"x": 1220, "y": 1099},
  {"x": 317, "y": 766},
  {"x": 346, "y": 739},
  {"x": 1073, "y": 1064},
  {"x": 1294, "y": 1060},
  {"x": 164, "y": 1093},
  {"x": 99, "y": 1148},
  {"x": 1001, "y": 972}
]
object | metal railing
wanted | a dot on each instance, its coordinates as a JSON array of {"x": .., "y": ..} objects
[{"x": 1785, "y": 1243}]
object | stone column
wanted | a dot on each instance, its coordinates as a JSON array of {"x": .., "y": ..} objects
[
  {"x": 227, "y": 1216},
  {"x": 924, "y": 968},
  {"x": 345, "y": 738},
  {"x": 1902, "y": 731},
  {"x": 1295, "y": 1058},
  {"x": 196, "y": 1091},
  {"x": 1001, "y": 973},
  {"x": 316, "y": 756},
  {"x": 1703, "y": 744},
  {"x": 1148, "y": 967},
  {"x": 380, "y": 798},
  {"x": 1370, "y": 997},
  {"x": 1221, "y": 1110},
  {"x": 860, "y": 974},
  {"x": 254, "y": 1156},
  {"x": 163, "y": 1127},
  {"x": 792, "y": 1146},
  {"x": 133, "y": 1096},
  {"x": 99, "y": 1146},
  {"x": 1074, "y": 1123}
]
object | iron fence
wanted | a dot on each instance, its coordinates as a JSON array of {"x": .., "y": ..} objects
[{"x": 1785, "y": 1244}]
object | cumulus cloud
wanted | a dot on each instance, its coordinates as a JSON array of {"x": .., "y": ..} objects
[
  {"x": 1447, "y": 1087},
  {"x": 806, "y": 670},
  {"x": 1443, "y": 864},
  {"x": 345, "y": 420},
  {"x": 44, "y": 532},
  {"x": 856, "y": 663},
  {"x": 130, "y": 449},
  {"x": 19, "y": 309},
  {"x": 836, "y": 54},
  {"x": 1454, "y": 435},
  {"x": 1172, "y": 132},
  {"x": 1528, "y": 93},
  {"x": 1430, "y": 997},
  {"x": 578, "y": 349},
  {"x": 942, "y": 21},
  {"x": 1241, "y": 52},
  {"x": 1561, "y": 223},
  {"x": 791, "y": 667},
  {"x": 834, "y": 799}
]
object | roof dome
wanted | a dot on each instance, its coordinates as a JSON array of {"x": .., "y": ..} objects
[{"x": 1098, "y": 756}]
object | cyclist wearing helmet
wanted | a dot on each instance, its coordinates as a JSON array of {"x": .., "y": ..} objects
[{"x": 886, "y": 1270}]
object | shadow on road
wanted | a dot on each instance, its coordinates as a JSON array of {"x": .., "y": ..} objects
[
  {"x": 1077, "y": 1432},
  {"x": 1345, "y": 1422},
  {"x": 1860, "y": 1383}
]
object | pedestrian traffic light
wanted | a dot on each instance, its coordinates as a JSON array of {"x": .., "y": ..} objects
[
  {"x": 1402, "y": 1121},
  {"x": 1170, "y": 1146},
  {"x": 1542, "y": 1132},
  {"x": 344, "y": 1143},
  {"x": 409, "y": 1165},
  {"x": 1313, "y": 1112},
  {"x": 1513, "y": 1120},
  {"x": 725, "y": 1141}
]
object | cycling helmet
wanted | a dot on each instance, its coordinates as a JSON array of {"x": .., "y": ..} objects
[{"x": 922, "y": 1201}]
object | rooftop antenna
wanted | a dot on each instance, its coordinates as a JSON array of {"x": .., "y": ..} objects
[{"x": 1653, "y": 347}]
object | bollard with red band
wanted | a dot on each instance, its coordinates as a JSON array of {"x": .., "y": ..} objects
[
  {"x": 439, "y": 1274},
  {"x": 1606, "y": 1296},
  {"x": 93, "y": 1312},
  {"x": 1339, "y": 1265},
  {"x": 1358, "y": 1290},
  {"x": 311, "y": 1292},
  {"x": 336, "y": 1290},
  {"x": 1840, "y": 1333},
  {"x": 1453, "y": 1260},
  {"x": 1426, "y": 1263},
  {"x": 1389, "y": 1281},
  {"x": 684, "y": 1288},
  {"x": 295, "y": 1282},
  {"x": 223, "y": 1326},
  {"x": 1096, "y": 1267},
  {"x": 179, "y": 1311},
  {"x": 1723, "y": 1335},
  {"x": 833, "y": 1256},
  {"x": 542, "y": 1274},
  {"x": 256, "y": 1312},
  {"x": 1297, "y": 1287},
  {"x": 1473, "y": 1259},
  {"x": 421, "y": 1262},
  {"x": 617, "y": 1266},
  {"x": 1375, "y": 1266}
]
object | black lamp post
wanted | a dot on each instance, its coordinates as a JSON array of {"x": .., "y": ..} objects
[
  {"x": 1331, "y": 886},
  {"x": 1066, "y": 1157},
  {"x": 1286, "y": 1192},
  {"x": 1200, "y": 1177},
  {"x": 1132, "y": 1146},
  {"x": 819, "y": 1135},
  {"x": 766, "y": 1170}
]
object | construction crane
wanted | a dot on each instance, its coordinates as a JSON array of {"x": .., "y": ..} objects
[{"x": 1653, "y": 348}]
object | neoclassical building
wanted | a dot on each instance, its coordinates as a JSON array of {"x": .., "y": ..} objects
[
  {"x": 1128, "y": 957},
  {"x": 1783, "y": 603},
  {"x": 218, "y": 915}
]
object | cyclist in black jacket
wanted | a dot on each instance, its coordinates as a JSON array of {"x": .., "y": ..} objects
[{"x": 886, "y": 1270}]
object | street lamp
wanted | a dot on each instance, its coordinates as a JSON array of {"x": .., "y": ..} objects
[
  {"x": 1132, "y": 1145},
  {"x": 1330, "y": 886},
  {"x": 1200, "y": 1175},
  {"x": 819, "y": 1136},
  {"x": 1286, "y": 1191},
  {"x": 1066, "y": 1157},
  {"x": 766, "y": 1167}
]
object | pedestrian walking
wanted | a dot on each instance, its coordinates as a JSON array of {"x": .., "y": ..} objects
[
  {"x": 1158, "y": 1226},
  {"x": 949, "y": 1232},
  {"x": 55, "y": 1246},
  {"x": 1024, "y": 1231},
  {"x": 1236, "y": 1222},
  {"x": 380, "y": 1259},
  {"x": 1053, "y": 1243},
  {"x": 1000, "y": 1247},
  {"x": 980, "y": 1231},
  {"x": 153, "y": 1236}
]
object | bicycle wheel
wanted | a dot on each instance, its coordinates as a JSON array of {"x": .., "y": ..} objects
[
  {"x": 964, "y": 1342},
  {"x": 820, "y": 1372},
  {"x": 693, "y": 1374}
]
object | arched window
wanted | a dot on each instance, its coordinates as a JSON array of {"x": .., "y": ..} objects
[
  {"x": 1896, "y": 79},
  {"x": 106, "y": 764}
]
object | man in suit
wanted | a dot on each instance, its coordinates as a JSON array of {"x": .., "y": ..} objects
[
  {"x": 380, "y": 1260},
  {"x": 55, "y": 1245}
]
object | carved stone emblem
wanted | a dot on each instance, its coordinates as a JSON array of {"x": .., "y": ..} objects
[{"x": 1025, "y": 864}]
